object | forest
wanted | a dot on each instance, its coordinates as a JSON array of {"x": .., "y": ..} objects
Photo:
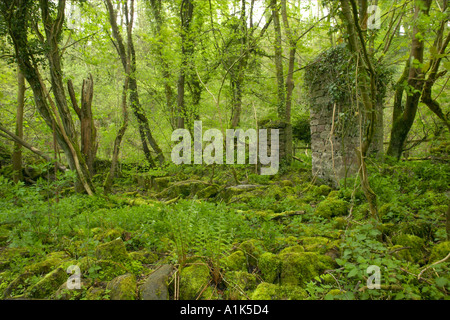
[{"x": 224, "y": 150}]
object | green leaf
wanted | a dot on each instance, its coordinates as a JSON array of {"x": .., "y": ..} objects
[{"x": 352, "y": 273}]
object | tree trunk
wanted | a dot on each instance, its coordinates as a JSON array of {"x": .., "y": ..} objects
[
  {"x": 129, "y": 57},
  {"x": 64, "y": 130},
  {"x": 404, "y": 121},
  {"x": 281, "y": 103},
  {"x": 17, "y": 154},
  {"x": 187, "y": 10}
]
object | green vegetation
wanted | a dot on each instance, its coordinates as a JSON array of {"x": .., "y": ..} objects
[
  {"x": 93, "y": 208},
  {"x": 228, "y": 250}
]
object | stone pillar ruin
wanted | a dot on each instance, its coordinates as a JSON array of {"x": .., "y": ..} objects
[{"x": 334, "y": 117}]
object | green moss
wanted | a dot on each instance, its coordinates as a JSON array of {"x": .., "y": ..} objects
[
  {"x": 48, "y": 285},
  {"x": 109, "y": 235},
  {"x": 122, "y": 287},
  {"x": 299, "y": 268},
  {"x": 253, "y": 249},
  {"x": 193, "y": 279},
  {"x": 270, "y": 266},
  {"x": 270, "y": 291},
  {"x": 322, "y": 190},
  {"x": 8, "y": 255},
  {"x": 329, "y": 208},
  {"x": 95, "y": 293},
  {"x": 208, "y": 192},
  {"x": 296, "y": 249},
  {"x": 439, "y": 251},
  {"x": 51, "y": 261},
  {"x": 144, "y": 256},
  {"x": 114, "y": 250},
  {"x": 316, "y": 244},
  {"x": 340, "y": 223},
  {"x": 235, "y": 261},
  {"x": 238, "y": 283},
  {"x": 414, "y": 246}
]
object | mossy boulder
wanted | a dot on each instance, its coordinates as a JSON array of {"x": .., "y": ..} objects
[
  {"x": 18, "y": 285},
  {"x": 318, "y": 244},
  {"x": 193, "y": 280},
  {"x": 95, "y": 293},
  {"x": 144, "y": 256},
  {"x": 270, "y": 266},
  {"x": 64, "y": 293},
  {"x": 252, "y": 249},
  {"x": 297, "y": 268},
  {"x": 109, "y": 234},
  {"x": 240, "y": 192},
  {"x": 114, "y": 250},
  {"x": 122, "y": 287},
  {"x": 329, "y": 208},
  {"x": 270, "y": 291},
  {"x": 208, "y": 192},
  {"x": 235, "y": 261},
  {"x": 183, "y": 189},
  {"x": 293, "y": 249},
  {"x": 439, "y": 251},
  {"x": 322, "y": 190},
  {"x": 413, "y": 245},
  {"x": 50, "y": 262},
  {"x": 104, "y": 270},
  {"x": 48, "y": 285},
  {"x": 238, "y": 283},
  {"x": 8, "y": 255}
]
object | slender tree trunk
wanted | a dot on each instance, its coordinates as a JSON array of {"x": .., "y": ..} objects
[
  {"x": 279, "y": 62},
  {"x": 126, "y": 55},
  {"x": 17, "y": 154},
  {"x": 187, "y": 10}
]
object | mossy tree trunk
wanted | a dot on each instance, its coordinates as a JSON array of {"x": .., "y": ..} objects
[
  {"x": 403, "y": 122},
  {"x": 56, "y": 115},
  {"x": 17, "y": 154},
  {"x": 366, "y": 87}
]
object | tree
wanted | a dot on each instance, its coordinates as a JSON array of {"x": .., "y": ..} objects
[
  {"x": 17, "y": 154},
  {"x": 19, "y": 15},
  {"x": 143, "y": 123}
]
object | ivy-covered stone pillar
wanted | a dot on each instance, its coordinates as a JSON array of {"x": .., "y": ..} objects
[{"x": 335, "y": 109}]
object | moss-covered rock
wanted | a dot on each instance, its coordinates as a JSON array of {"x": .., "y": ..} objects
[
  {"x": 64, "y": 293},
  {"x": 322, "y": 190},
  {"x": 122, "y": 287},
  {"x": 252, "y": 249},
  {"x": 8, "y": 255},
  {"x": 270, "y": 291},
  {"x": 109, "y": 234},
  {"x": 413, "y": 245},
  {"x": 235, "y": 261},
  {"x": 297, "y": 268},
  {"x": 114, "y": 250},
  {"x": 439, "y": 251},
  {"x": 183, "y": 189},
  {"x": 50, "y": 262},
  {"x": 296, "y": 249},
  {"x": 238, "y": 283},
  {"x": 193, "y": 280},
  {"x": 48, "y": 285},
  {"x": 270, "y": 266},
  {"x": 329, "y": 208},
  {"x": 318, "y": 244},
  {"x": 144, "y": 256},
  {"x": 18, "y": 285},
  {"x": 208, "y": 192},
  {"x": 95, "y": 293}
]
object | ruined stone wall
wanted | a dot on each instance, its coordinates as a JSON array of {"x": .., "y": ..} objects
[
  {"x": 332, "y": 143},
  {"x": 337, "y": 119}
]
